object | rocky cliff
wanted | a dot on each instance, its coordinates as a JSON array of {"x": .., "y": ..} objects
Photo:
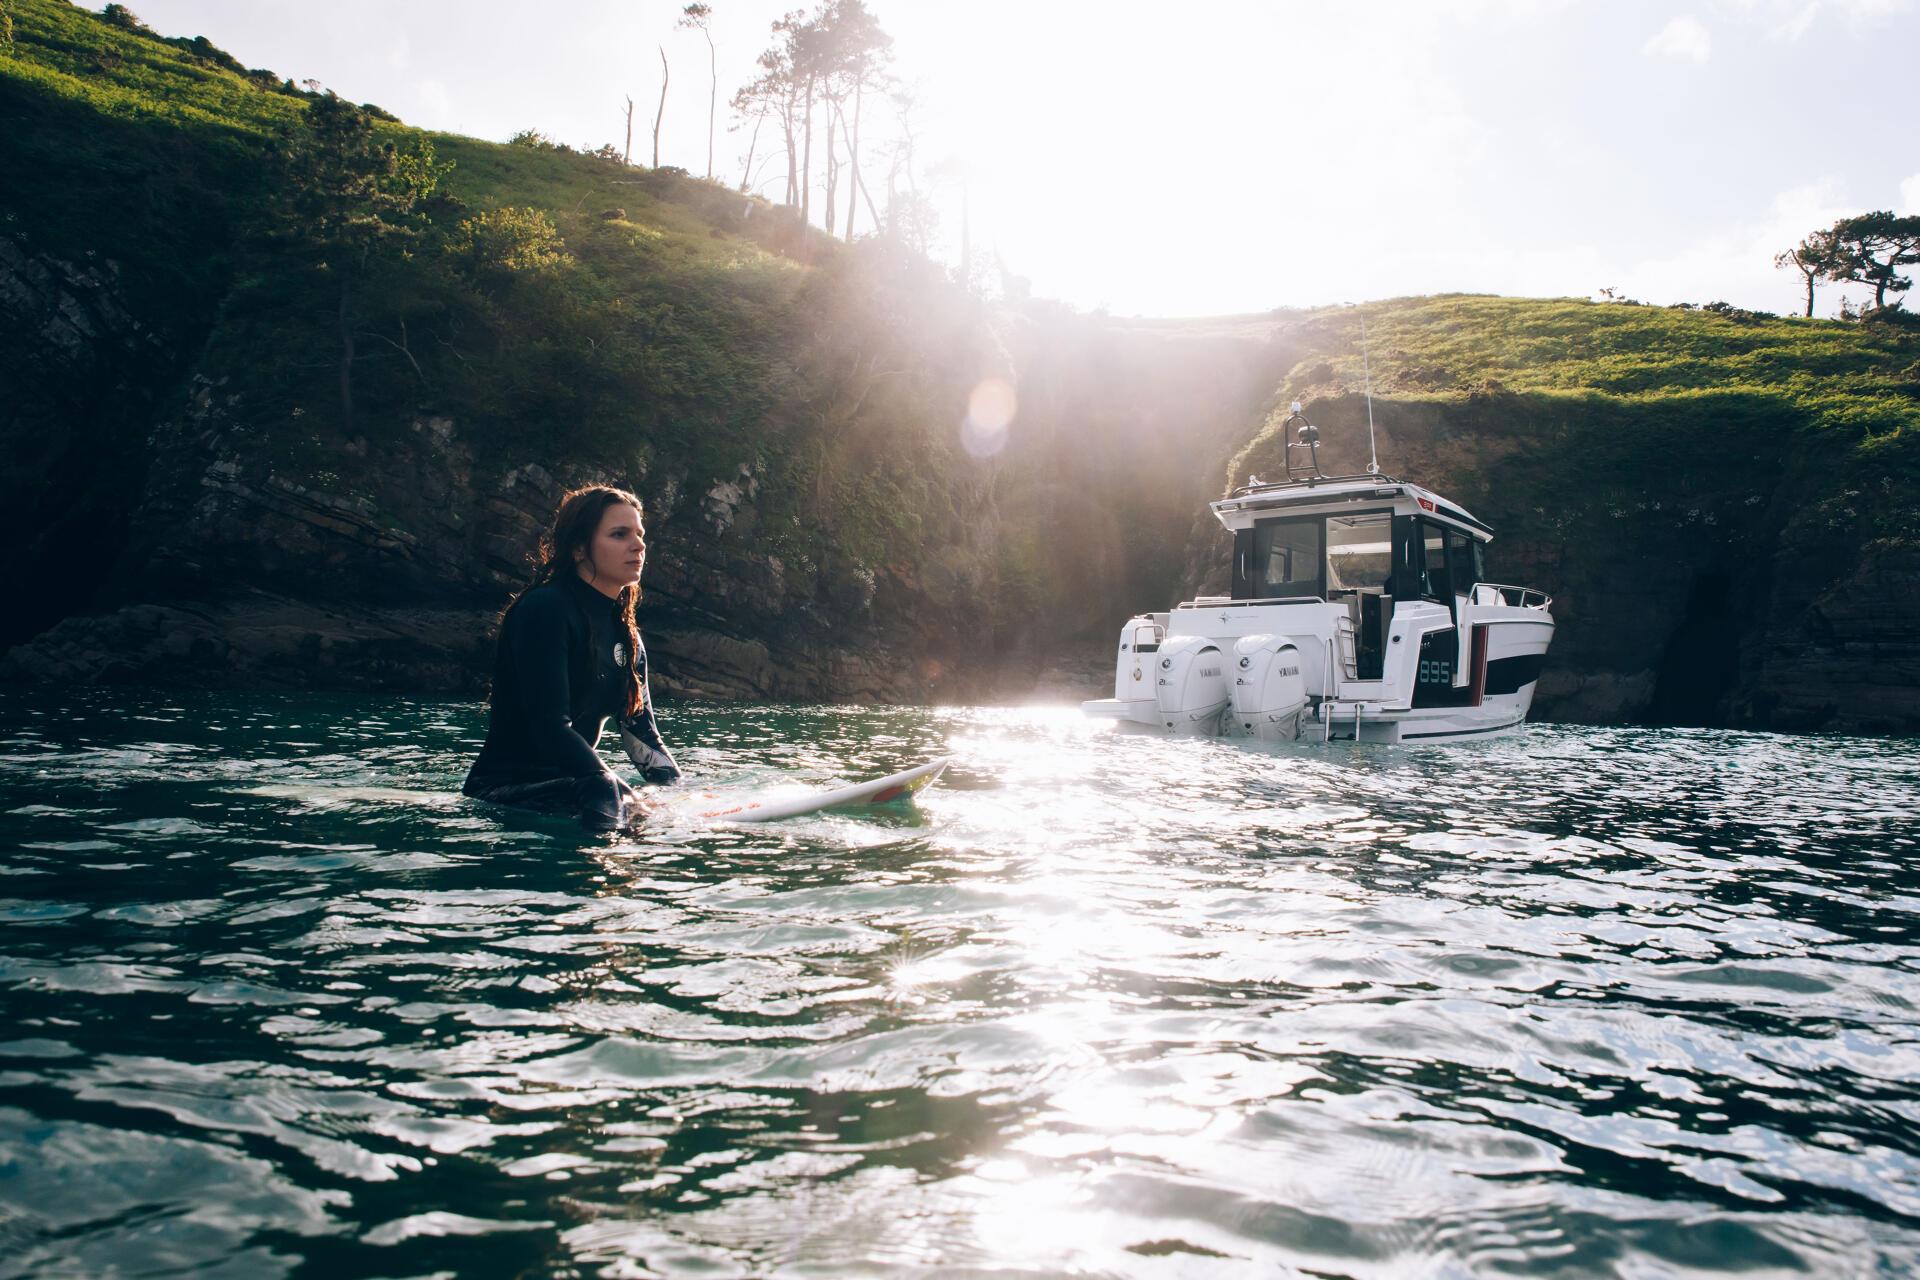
[
  {"x": 230, "y": 460},
  {"x": 386, "y": 564},
  {"x": 1726, "y": 542}
]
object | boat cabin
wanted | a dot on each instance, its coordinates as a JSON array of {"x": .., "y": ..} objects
[
  {"x": 1365, "y": 542},
  {"x": 1358, "y": 602}
]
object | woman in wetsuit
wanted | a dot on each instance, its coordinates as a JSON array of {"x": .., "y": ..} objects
[{"x": 569, "y": 659}]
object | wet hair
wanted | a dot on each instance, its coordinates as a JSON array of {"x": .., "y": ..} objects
[{"x": 571, "y": 536}]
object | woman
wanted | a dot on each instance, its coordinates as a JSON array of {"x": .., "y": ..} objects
[{"x": 568, "y": 659}]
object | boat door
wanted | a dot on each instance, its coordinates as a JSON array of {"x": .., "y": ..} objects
[
  {"x": 1462, "y": 572},
  {"x": 1425, "y": 570}
]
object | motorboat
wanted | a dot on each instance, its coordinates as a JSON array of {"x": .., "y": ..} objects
[{"x": 1359, "y": 611}]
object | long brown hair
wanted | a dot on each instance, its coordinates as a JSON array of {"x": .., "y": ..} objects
[{"x": 574, "y": 524}]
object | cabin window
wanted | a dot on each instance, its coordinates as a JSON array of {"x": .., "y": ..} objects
[
  {"x": 1435, "y": 561},
  {"x": 1437, "y": 583},
  {"x": 1463, "y": 557},
  {"x": 1279, "y": 558},
  {"x": 1360, "y": 551}
]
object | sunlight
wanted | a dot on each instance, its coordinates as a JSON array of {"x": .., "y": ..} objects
[{"x": 990, "y": 410}]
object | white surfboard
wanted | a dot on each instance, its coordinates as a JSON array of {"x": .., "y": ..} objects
[{"x": 771, "y": 807}]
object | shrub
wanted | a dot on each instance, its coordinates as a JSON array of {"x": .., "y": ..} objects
[
  {"x": 1740, "y": 315},
  {"x": 534, "y": 140},
  {"x": 510, "y": 239},
  {"x": 119, "y": 15},
  {"x": 1893, "y": 316}
]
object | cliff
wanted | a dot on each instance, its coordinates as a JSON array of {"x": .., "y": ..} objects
[
  {"x": 231, "y": 461},
  {"x": 1720, "y": 503}
]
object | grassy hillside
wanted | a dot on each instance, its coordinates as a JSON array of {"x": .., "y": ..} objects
[{"x": 1855, "y": 383}]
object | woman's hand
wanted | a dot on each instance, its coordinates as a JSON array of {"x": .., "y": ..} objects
[
  {"x": 662, "y": 774},
  {"x": 634, "y": 807}
]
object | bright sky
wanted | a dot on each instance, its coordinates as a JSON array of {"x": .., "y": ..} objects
[{"x": 1246, "y": 154}]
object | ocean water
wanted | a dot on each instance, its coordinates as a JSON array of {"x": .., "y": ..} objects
[{"x": 275, "y": 1000}]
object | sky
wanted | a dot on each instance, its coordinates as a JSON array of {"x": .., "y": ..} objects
[{"x": 1245, "y": 155}]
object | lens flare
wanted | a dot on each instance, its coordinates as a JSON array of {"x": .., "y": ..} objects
[{"x": 990, "y": 410}]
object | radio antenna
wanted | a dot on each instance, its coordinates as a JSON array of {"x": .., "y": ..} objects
[{"x": 1366, "y": 369}]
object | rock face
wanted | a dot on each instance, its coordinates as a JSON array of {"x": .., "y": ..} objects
[
  {"x": 396, "y": 578},
  {"x": 1845, "y": 653},
  {"x": 78, "y": 385},
  {"x": 238, "y": 545}
]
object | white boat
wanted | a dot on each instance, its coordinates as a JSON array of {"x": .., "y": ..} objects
[{"x": 1358, "y": 612}]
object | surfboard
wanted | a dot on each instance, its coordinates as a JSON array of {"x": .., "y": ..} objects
[{"x": 773, "y": 806}]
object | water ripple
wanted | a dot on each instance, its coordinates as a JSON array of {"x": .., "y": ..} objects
[{"x": 1578, "y": 1002}]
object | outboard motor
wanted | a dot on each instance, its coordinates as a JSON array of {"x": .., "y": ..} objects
[
  {"x": 1133, "y": 673},
  {"x": 1268, "y": 689},
  {"x": 1190, "y": 686}
]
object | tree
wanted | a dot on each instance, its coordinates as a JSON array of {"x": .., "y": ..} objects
[
  {"x": 120, "y": 16},
  {"x": 1814, "y": 258},
  {"x": 802, "y": 56},
  {"x": 356, "y": 202},
  {"x": 830, "y": 57},
  {"x": 856, "y": 50},
  {"x": 773, "y": 93},
  {"x": 909, "y": 215},
  {"x": 664, "y": 76},
  {"x": 626, "y": 157},
  {"x": 698, "y": 16},
  {"x": 1870, "y": 248}
]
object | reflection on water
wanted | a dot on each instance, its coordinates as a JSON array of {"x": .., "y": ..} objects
[{"x": 1578, "y": 1002}]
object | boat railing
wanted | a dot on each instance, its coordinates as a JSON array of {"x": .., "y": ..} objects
[
  {"x": 1306, "y": 482},
  {"x": 1228, "y": 602},
  {"x": 1517, "y": 597}
]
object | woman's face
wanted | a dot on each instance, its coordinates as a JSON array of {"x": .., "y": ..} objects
[{"x": 617, "y": 552}]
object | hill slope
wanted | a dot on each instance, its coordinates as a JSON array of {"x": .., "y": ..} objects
[
  {"x": 789, "y": 407},
  {"x": 224, "y": 466}
]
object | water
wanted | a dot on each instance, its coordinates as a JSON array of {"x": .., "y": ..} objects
[{"x": 1581, "y": 1002}]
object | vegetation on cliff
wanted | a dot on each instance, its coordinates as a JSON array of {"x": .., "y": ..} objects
[
  {"x": 313, "y": 354},
  {"x": 1620, "y": 396}
]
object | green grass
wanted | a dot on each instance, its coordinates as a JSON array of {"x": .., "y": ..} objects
[
  {"x": 1562, "y": 406},
  {"x": 1845, "y": 377}
]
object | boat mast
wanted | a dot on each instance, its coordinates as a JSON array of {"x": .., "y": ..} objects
[{"x": 1366, "y": 370}]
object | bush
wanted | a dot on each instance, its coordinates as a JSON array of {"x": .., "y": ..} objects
[
  {"x": 1892, "y": 317},
  {"x": 534, "y": 140},
  {"x": 509, "y": 240},
  {"x": 1740, "y": 315},
  {"x": 119, "y": 15}
]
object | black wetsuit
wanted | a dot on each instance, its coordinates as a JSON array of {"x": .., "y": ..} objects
[{"x": 560, "y": 673}]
